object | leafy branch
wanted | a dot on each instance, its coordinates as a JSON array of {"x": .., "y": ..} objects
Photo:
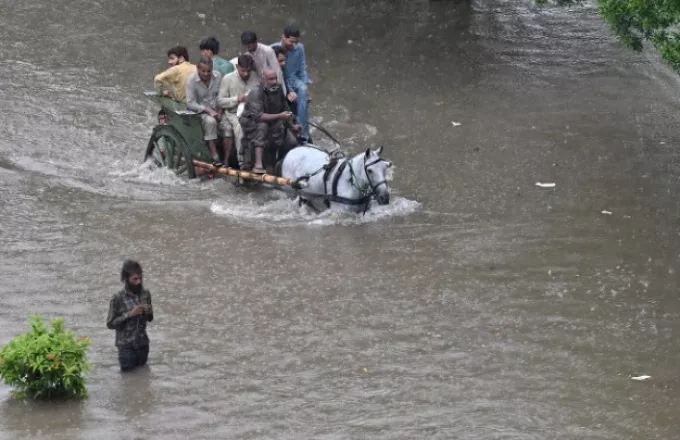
[{"x": 637, "y": 21}]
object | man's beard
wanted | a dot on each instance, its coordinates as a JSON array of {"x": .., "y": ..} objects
[
  {"x": 134, "y": 288},
  {"x": 272, "y": 89}
]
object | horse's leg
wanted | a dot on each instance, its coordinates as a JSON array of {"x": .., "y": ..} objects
[{"x": 308, "y": 204}]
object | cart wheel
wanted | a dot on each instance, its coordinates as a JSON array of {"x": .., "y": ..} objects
[{"x": 168, "y": 149}]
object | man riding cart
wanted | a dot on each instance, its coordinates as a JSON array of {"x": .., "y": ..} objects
[
  {"x": 202, "y": 90},
  {"x": 269, "y": 127}
]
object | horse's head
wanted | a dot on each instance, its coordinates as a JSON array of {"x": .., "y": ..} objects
[{"x": 375, "y": 169}]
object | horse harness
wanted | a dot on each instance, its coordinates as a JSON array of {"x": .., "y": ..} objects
[{"x": 334, "y": 197}]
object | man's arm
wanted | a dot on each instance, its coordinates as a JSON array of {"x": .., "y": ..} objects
[
  {"x": 149, "y": 312},
  {"x": 286, "y": 104},
  {"x": 168, "y": 76},
  {"x": 289, "y": 84},
  {"x": 223, "y": 98},
  {"x": 115, "y": 320},
  {"x": 255, "y": 107},
  {"x": 192, "y": 101},
  {"x": 305, "y": 77}
]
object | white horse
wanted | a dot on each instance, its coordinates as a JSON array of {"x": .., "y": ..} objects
[{"x": 347, "y": 184}]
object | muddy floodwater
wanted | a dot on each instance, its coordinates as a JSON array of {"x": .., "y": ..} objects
[{"x": 476, "y": 305}]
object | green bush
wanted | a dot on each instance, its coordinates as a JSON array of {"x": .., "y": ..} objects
[{"x": 45, "y": 362}]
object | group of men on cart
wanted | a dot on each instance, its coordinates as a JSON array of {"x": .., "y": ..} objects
[{"x": 268, "y": 81}]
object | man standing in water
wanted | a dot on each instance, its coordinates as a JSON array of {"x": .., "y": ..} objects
[{"x": 129, "y": 311}]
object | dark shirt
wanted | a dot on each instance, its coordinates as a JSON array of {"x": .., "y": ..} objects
[
  {"x": 260, "y": 101},
  {"x": 130, "y": 330}
]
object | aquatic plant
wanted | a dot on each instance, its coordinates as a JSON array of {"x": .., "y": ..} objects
[
  {"x": 46, "y": 363},
  {"x": 636, "y": 21}
]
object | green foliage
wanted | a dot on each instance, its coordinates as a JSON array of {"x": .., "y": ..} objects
[
  {"x": 637, "y": 21},
  {"x": 45, "y": 362}
]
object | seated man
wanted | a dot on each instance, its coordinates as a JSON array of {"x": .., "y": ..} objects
[
  {"x": 265, "y": 121},
  {"x": 280, "y": 53},
  {"x": 202, "y": 89},
  {"x": 210, "y": 47},
  {"x": 233, "y": 91},
  {"x": 173, "y": 81},
  {"x": 263, "y": 55},
  {"x": 295, "y": 74}
]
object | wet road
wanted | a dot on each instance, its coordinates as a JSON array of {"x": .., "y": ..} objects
[{"x": 475, "y": 306}]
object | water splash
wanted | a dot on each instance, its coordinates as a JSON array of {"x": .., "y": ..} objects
[
  {"x": 284, "y": 212},
  {"x": 147, "y": 172}
]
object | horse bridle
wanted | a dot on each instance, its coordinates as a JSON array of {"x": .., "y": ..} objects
[{"x": 374, "y": 188}]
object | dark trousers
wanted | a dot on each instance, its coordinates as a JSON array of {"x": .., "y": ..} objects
[
  {"x": 130, "y": 358},
  {"x": 267, "y": 135},
  {"x": 274, "y": 137}
]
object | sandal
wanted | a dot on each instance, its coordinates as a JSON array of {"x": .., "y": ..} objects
[{"x": 258, "y": 170}]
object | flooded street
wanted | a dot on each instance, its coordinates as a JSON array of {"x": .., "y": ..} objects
[{"x": 476, "y": 305}]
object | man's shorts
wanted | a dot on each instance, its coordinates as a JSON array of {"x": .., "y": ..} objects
[{"x": 229, "y": 124}]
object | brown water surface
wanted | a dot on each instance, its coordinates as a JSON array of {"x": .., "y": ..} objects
[{"x": 475, "y": 306}]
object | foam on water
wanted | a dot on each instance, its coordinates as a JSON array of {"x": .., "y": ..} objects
[
  {"x": 284, "y": 212},
  {"x": 146, "y": 172}
]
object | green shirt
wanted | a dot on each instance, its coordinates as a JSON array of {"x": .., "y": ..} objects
[{"x": 223, "y": 66}]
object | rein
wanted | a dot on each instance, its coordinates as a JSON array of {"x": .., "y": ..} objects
[{"x": 374, "y": 188}]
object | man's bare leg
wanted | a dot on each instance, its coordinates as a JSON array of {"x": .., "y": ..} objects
[
  {"x": 227, "y": 144},
  {"x": 258, "y": 159},
  {"x": 213, "y": 150}
]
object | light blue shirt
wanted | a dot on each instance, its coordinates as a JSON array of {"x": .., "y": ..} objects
[{"x": 296, "y": 66}]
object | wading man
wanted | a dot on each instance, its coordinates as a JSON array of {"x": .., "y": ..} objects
[{"x": 129, "y": 311}]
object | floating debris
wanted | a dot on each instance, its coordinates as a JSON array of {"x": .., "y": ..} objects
[
  {"x": 545, "y": 185},
  {"x": 455, "y": 124},
  {"x": 607, "y": 212},
  {"x": 643, "y": 377}
]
